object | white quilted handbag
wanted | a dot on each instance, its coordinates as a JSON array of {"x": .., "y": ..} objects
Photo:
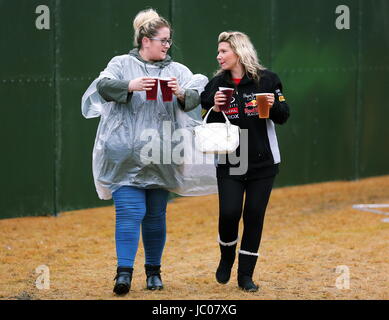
[{"x": 216, "y": 137}]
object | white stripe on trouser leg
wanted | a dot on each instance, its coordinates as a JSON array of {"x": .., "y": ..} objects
[
  {"x": 249, "y": 253},
  {"x": 271, "y": 134},
  {"x": 228, "y": 244}
]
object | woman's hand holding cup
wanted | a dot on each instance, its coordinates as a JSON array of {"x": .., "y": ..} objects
[
  {"x": 219, "y": 100},
  {"x": 265, "y": 101},
  {"x": 141, "y": 84},
  {"x": 173, "y": 84},
  {"x": 270, "y": 99}
]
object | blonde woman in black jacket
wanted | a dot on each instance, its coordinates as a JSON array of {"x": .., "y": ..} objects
[{"x": 240, "y": 69}]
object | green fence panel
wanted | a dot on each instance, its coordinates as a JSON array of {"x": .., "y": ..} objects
[
  {"x": 198, "y": 23},
  {"x": 27, "y": 125},
  {"x": 373, "y": 111},
  {"x": 318, "y": 65}
]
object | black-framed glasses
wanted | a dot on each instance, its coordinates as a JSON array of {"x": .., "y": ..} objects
[{"x": 164, "y": 41}]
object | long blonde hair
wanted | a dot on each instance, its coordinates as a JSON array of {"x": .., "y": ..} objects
[
  {"x": 146, "y": 24},
  {"x": 244, "y": 49}
]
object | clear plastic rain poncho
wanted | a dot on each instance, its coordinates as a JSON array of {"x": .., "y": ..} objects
[{"x": 148, "y": 144}]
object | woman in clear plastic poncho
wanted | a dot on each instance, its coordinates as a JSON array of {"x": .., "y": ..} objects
[{"x": 132, "y": 156}]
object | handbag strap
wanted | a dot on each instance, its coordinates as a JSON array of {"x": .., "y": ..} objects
[{"x": 206, "y": 117}]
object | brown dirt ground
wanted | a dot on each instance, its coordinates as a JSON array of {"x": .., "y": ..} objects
[{"x": 309, "y": 231}]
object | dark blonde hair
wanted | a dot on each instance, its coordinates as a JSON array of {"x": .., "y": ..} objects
[
  {"x": 244, "y": 49},
  {"x": 146, "y": 24}
]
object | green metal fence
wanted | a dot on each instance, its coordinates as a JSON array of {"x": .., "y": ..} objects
[{"x": 334, "y": 80}]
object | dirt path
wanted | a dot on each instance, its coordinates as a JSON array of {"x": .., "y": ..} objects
[{"x": 309, "y": 232}]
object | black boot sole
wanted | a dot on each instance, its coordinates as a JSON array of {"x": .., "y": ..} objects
[
  {"x": 249, "y": 289},
  {"x": 154, "y": 288},
  {"x": 222, "y": 282},
  {"x": 246, "y": 283},
  {"x": 121, "y": 289}
]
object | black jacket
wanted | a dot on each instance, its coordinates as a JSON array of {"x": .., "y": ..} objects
[{"x": 263, "y": 152}]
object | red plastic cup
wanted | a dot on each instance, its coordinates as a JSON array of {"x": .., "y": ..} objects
[
  {"x": 152, "y": 94},
  {"x": 263, "y": 106},
  {"x": 228, "y": 92},
  {"x": 167, "y": 93}
]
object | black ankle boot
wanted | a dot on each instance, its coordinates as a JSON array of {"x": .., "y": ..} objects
[
  {"x": 154, "y": 280},
  {"x": 227, "y": 258},
  {"x": 123, "y": 280},
  {"x": 245, "y": 272}
]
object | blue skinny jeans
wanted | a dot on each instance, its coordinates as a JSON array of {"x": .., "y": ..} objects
[{"x": 135, "y": 208}]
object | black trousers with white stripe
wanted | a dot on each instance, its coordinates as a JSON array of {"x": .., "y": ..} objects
[{"x": 247, "y": 196}]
